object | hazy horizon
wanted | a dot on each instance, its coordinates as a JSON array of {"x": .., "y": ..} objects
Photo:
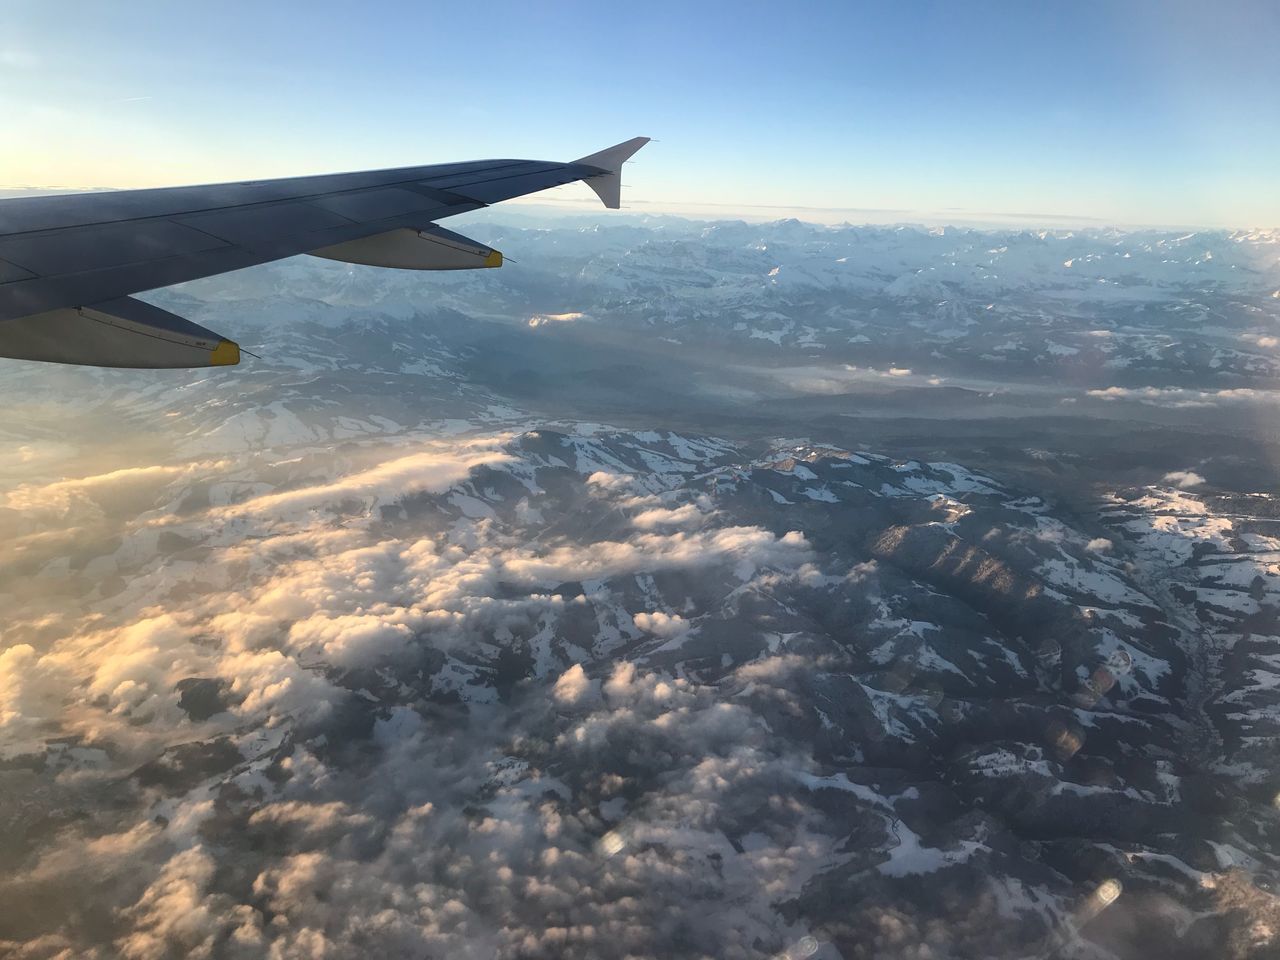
[
  {"x": 569, "y": 202},
  {"x": 1143, "y": 113}
]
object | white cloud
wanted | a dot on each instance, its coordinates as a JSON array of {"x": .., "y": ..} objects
[
  {"x": 16, "y": 665},
  {"x": 327, "y": 820},
  {"x": 661, "y": 624},
  {"x": 425, "y": 471},
  {"x": 1265, "y": 341},
  {"x": 61, "y": 495},
  {"x": 542, "y": 319},
  {"x": 176, "y": 915},
  {"x": 272, "y": 687},
  {"x": 622, "y": 681},
  {"x": 1184, "y": 479},
  {"x": 656, "y": 552},
  {"x": 315, "y": 629},
  {"x": 572, "y": 686},
  {"x": 604, "y": 481},
  {"x": 667, "y": 517},
  {"x": 1179, "y": 398}
]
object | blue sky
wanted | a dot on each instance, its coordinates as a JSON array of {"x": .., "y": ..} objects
[{"x": 1127, "y": 112}]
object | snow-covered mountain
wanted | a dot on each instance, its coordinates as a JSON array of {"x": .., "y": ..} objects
[
  {"x": 1096, "y": 318},
  {"x": 817, "y": 686},
  {"x": 695, "y": 590}
]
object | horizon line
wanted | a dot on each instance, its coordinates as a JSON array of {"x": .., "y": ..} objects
[{"x": 948, "y": 216}]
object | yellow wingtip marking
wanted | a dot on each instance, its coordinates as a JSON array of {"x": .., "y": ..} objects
[
  {"x": 225, "y": 354},
  {"x": 494, "y": 259}
]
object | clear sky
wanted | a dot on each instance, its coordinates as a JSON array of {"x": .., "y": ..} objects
[{"x": 1128, "y": 112}]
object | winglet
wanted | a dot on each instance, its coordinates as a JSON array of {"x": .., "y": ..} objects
[{"x": 608, "y": 185}]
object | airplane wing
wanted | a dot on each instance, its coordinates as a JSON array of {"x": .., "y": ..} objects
[{"x": 70, "y": 264}]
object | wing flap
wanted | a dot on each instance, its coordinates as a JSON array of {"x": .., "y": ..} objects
[
  {"x": 431, "y": 249},
  {"x": 117, "y": 333}
]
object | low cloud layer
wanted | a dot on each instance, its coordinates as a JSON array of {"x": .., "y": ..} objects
[
  {"x": 250, "y": 829},
  {"x": 550, "y": 696},
  {"x": 1180, "y": 398}
]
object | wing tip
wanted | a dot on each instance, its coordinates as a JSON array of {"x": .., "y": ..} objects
[
  {"x": 608, "y": 185},
  {"x": 612, "y": 158}
]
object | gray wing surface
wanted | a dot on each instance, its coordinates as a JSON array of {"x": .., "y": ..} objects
[{"x": 70, "y": 264}]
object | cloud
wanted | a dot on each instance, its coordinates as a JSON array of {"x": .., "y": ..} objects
[
  {"x": 604, "y": 481},
  {"x": 832, "y": 380},
  {"x": 1261, "y": 340},
  {"x": 326, "y": 822},
  {"x": 176, "y": 915},
  {"x": 622, "y": 681},
  {"x": 31, "y": 454},
  {"x": 667, "y": 625},
  {"x": 1180, "y": 398},
  {"x": 666, "y": 517},
  {"x": 530, "y": 870},
  {"x": 16, "y": 663},
  {"x": 1184, "y": 479},
  {"x": 32, "y": 688},
  {"x": 270, "y": 687},
  {"x": 425, "y": 471},
  {"x": 752, "y": 546},
  {"x": 542, "y": 319},
  {"x": 572, "y": 686},
  {"x": 60, "y": 496},
  {"x": 270, "y": 600},
  {"x": 1099, "y": 545},
  {"x": 434, "y": 733}
]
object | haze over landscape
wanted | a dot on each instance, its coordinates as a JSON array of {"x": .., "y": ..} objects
[
  {"x": 897, "y": 579},
  {"x": 684, "y": 589}
]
